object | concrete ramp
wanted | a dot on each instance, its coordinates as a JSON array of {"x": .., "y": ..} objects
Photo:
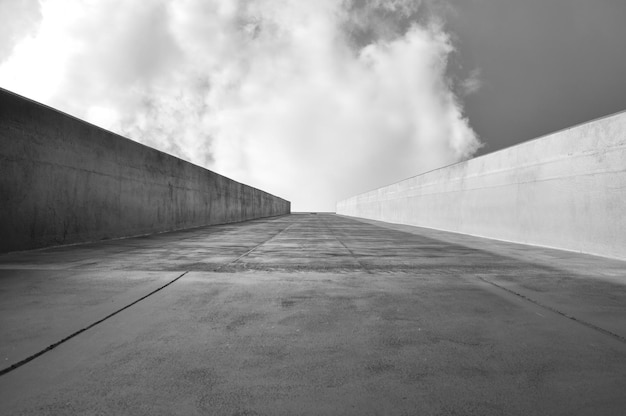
[
  {"x": 566, "y": 190},
  {"x": 311, "y": 315}
]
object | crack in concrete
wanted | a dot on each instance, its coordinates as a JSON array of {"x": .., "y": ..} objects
[
  {"x": 254, "y": 248},
  {"x": 558, "y": 312},
  {"x": 80, "y": 331}
]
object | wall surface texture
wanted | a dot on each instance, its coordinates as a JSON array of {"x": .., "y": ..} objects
[
  {"x": 64, "y": 181},
  {"x": 566, "y": 190}
]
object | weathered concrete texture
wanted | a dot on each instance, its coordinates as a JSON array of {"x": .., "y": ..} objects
[
  {"x": 63, "y": 181},
  {"x": 309, "y": 315},
  {"x": 566, "y": 190}
]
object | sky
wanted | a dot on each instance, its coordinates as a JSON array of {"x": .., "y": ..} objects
[{"x": 318, "y": 101}]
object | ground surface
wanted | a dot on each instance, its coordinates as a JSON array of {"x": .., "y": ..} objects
[{"x": 311, "y": 314}]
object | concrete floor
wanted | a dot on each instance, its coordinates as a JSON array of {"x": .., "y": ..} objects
[{"x": 311, "y": 314}]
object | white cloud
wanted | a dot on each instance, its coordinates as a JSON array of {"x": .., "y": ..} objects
[
  {"x": 472, "y": 83},
  {"x": 273, "y": 93},
  {"x": 18, "y": 18}
]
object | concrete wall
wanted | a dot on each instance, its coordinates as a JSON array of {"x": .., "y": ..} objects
[
  {"x": 63, "y": 181},
  {"x": 566, "y": 190}
]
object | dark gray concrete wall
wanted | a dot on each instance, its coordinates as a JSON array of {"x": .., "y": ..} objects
[{"x": 65, "y": 181}]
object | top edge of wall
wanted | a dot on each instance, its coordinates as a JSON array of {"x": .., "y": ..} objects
[
  {"x": 526, "y": 142},
  {"x": 37, "y": 103}
]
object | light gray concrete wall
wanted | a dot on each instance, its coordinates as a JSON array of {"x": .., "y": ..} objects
[
  {"x": 566, "y": 190},
  {"x": 64, "y": 181}
]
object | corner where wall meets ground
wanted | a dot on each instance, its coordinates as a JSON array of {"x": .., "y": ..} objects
[
  {"x": 65, "y": 181},
  {"x": 566, "y": 190}
]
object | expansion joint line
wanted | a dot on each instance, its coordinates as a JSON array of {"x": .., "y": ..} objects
[
  {"x": 253, "y": 248},
  {"x": 80, "y": 331},
  {"x": 558, "y": 312},
  {"x": 360, "y": 263}
]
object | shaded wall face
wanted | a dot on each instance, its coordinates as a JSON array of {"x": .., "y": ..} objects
[
  {"x": 566, "y": 190},
  {"x": 65, "y": 181}
]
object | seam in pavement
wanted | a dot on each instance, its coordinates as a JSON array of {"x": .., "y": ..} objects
[
  {"x": 80, "y": 331},
  {"x": 368, "y": 271},
  {"x": 558, "y": 312},
  {"x": 254, "y": 248}
]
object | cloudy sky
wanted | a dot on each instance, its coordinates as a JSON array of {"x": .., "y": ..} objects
[{"x": 315, "y": 101}]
